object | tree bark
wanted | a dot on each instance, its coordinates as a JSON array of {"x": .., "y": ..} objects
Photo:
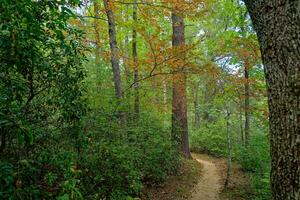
[
  {"x": 114, "y": 50},
  {"x": 247, "y": 104},
  {"x": 277, "y": 23},
  {"x": 196, "y": 106},
  {"x": 3, "y": 140},
  {"x": 126, "y": 65},
  {"x": 241, "y": 121},
  {"x": 165, "y": 102},
  {"x": 229, "y": 148},
  {"x": 179, "y": 102},
  {"x": 97, "y": 32},
  {"x": 136, "y": 70}
]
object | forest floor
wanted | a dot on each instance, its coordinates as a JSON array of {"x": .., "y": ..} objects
[
  {"x": 209, "y": 185},
  {"x": 202, "y": 178}
]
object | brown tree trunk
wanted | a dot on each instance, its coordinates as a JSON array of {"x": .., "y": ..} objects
[
  {"x": 247, "y": 105},
  {"x": 136, "y": 70},
  {"x": 179, "y": 102},
  {"x": 277, "y": 23},
  {"x": 114, "y": 49}
]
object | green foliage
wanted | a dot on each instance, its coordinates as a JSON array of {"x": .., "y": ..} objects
[
  {"x": 41, "y": 82},
  {"x": 52, "y": 148},
  {"x": 143, "y": 154},
  {"x": 6, "y": 180},
  {"x": 210, "y": 139},
  {"x": 111, "y": 172},
  {"x": 40, "y": 68},
  {"x": 256, "y": 159},
  {"x": 157, "y": 155}
]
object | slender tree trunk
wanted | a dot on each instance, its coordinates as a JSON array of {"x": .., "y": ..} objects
[
  {"x": 179, "y": 102},
  {"x": 3, "y": 141},
  {"x": 126, "y": 65},
  {"x": 114, "y": 50},
  {"x": 247, "y": 105},
  {"x": 277, "y": 23},
  {"x": 97, "y": 32},
  {"x": 196, "y": 106},
  {"x": 229, "y": 156},
  {"x": 207, "y": 102},
  {"x": 136, "y": 70},
  {"x": 241, "y": 122},
  {"x": 165, "y": 99}
]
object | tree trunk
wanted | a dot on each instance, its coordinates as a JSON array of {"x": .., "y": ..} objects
[
  {"x": 136, "y": 70},
  {"x": 179, "y": 102},
  {"x": 229, "y": 155},
  {"x": 3, "y": 141},
  {"x": 97, "y": 31},
  {"x": 165, "y": 102},
  {"x": 126, "y": 66},
  {"x": 114, "y": 50},
  {"x": 241, "y": 121},
  {"x": 247, "y": 105},
  {"x": 277, "y": 23},
  {"x": 196, "y": 106}
]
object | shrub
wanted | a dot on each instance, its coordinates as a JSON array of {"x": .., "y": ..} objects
[{"x": 256, "y": 159}]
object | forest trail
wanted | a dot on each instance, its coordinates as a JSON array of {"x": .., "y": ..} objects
[{"x": 209, "y": 186}]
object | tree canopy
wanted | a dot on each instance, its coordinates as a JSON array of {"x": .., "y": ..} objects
[{"x": 104, "y": 99}]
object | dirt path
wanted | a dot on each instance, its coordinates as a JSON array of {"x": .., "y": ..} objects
[
  {"x": 208, "y": 187},
  {"x": 202, "y": 179}
]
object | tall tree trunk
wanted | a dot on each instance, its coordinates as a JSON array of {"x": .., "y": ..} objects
[
  {"x": 277, "y": 23},
  {"x": 179, "y": 102},
  {"x": 207, "y": 99},
  {"x": 3, "y": 140},
  {"x": 196, "y": 106},
  {"x": 114, "y": 49},
  {"x": 97, "y": 32},
  {"x": 136, "y": 70},
  {"x": 126, "y": 61},
  {"x": 247, "y": 104},
  {"x": 165, "y": 102},
  {"x": 241, "y": 121},
  {"x": 229, "y": 147}
]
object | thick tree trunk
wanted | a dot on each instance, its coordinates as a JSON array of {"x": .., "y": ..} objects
[
  {"x": 179, "y": 102},
  {"x": 136, "y": 70},
  {"x": 277, "y": 23},
  {"x": 247, "y": 105},
  {"x": 114, "y": 50}
]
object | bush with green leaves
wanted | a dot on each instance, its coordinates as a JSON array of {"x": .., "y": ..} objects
[
  {"x": 41, "y": 100},
  {"x": 256, "y": 159},
  {"x": 210, "y": 138},
  {"x": 158, "y": 156},
  {"x": 41, "y": 70},
  {"x": 109, "y": 171},
  {"x": 117, "y": 163},
  {"x": 6, "y": 180}
]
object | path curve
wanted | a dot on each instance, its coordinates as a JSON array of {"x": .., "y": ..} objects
[{"x": 208, "y": 187}]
